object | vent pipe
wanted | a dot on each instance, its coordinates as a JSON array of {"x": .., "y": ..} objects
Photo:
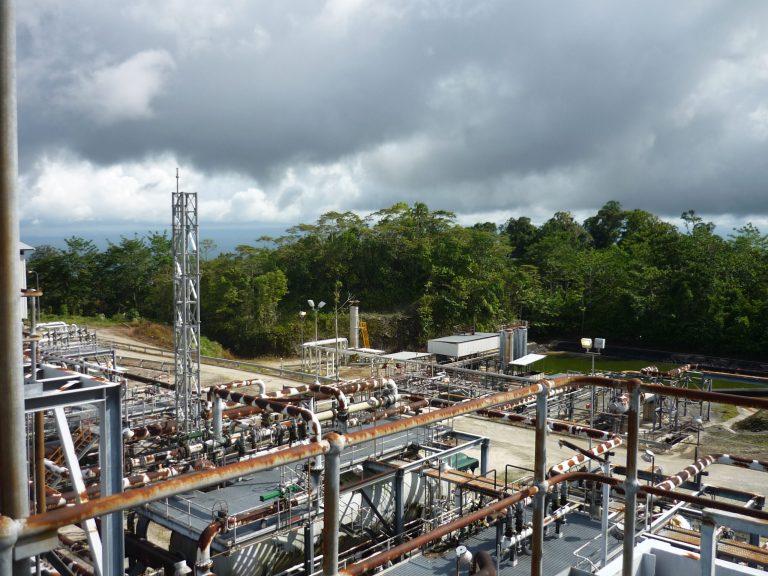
[{"x": 354, "y": 326}]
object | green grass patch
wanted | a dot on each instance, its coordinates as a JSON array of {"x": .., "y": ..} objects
[
  {"x": 96, "y": 321},
  {"x": 727, "y": 411}
]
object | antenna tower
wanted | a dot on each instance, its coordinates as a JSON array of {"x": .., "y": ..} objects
[{"x": 186, "y": 299}]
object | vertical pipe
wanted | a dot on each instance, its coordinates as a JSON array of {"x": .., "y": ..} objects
[
  {"x": 354, "y": 327},
  {"x": 630, "y": 483},
  {"x": 708, "y": 547},
  {"x": 540, "y": 481},
  {"x": 309, "y": 547},
  {"x": 218, "y": 419},
  {"x": 331, "y": 515},
  {"x": 13, "y": 454}
]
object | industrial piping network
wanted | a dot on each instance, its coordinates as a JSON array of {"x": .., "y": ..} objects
[{"x": 33, "y": 530}]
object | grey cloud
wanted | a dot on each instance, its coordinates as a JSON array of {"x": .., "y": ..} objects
[{"x": 510, "y": 103}]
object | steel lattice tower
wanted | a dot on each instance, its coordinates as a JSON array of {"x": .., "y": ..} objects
[{"x": 186, "y": 299}]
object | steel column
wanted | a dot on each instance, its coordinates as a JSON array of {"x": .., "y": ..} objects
[
  {"x": 604, "y": 519},
  {"x": 331, "y": 516},
  {"x": 309, "y": 547},
  {"x": 485, "y": 447},
  {"x": 14, "y": 501},
  {"x": 708, "y": 547},
  {"x": 111, "y": 459},
  {"x": 631, "y": 485},
  {"x": 540, "y": 482},
  {"x": 399, "y": 482}
]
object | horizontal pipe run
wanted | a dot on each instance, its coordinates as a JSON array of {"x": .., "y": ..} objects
[{"x": 42, "y": 523}]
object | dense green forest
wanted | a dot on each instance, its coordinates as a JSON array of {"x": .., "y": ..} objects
[{"x": 622, "y": 274}]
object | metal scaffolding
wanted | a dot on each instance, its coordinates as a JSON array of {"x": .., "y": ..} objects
[{"x": 186, "y": 298}]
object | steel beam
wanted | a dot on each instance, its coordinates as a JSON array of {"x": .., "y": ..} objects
[{"x": 76, "y": 477}]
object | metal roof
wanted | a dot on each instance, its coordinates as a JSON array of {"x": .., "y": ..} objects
[
  {"x": 527, "y": 360},
  {"x": 459, "y": 338},
  {"x": 407, "y": 355}
]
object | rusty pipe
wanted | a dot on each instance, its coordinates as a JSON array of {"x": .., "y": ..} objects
[
  {"x": 265, "y": 403},
  {"x": 483, "y": 564},
  {"x": 41, "y": 523}
]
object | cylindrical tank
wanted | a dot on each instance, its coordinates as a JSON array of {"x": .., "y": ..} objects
[
  {"x": 354, "y": 327},
  {"x": 520, "y": 345},
  {"x": 506, "y": 337}
]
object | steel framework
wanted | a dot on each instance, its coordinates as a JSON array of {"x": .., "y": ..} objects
[{"x": 186, "y": 298}]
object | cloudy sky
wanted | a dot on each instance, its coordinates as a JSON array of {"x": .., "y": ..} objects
[{"x": 276, "y": 111}]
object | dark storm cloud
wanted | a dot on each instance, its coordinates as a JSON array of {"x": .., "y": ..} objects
[{"x": 470, "y": 106}]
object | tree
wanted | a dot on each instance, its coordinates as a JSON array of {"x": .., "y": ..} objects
[
  {"x": 606, "y": 226},
  {"x": 521, "y": 233}
]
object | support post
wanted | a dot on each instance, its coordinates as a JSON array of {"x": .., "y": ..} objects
[
  {"x": 111, "y": 459},
  {"x": 631, "y": 485},
  {"x": 540, "y": 481},
  {"x": 14, "y": 501},
  {"x": 399, "y": 481},
  {"x": 605, "y": 512},
  {"x": 331, "y": 516},
  {"x": 708, "y": 547},
  {"x": 309, "y": 547},
  {"x": 485, "y": 447}
]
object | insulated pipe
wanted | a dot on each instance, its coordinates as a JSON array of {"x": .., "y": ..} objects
[
  {"x": 577, "y": 459},
  {"x": 162, "y": 428},
  {"x": 554, "y": 425},
  {"x": 700, "y": 464},
  {"x": 218, "y": 419},
  {"x": 264, "y": 403},
  {"x": 14, "y": 501},
  {"x": 334, "y": 391},
  {"x": 257, "y": 382}
]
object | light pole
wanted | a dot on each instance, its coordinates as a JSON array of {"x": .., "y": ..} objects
[
  {"x": 317, "y": 351},
  {"x": 302, "y": 315},
  {"x": 649, "y": 456},
  {"x": 350, "y": 299}
]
